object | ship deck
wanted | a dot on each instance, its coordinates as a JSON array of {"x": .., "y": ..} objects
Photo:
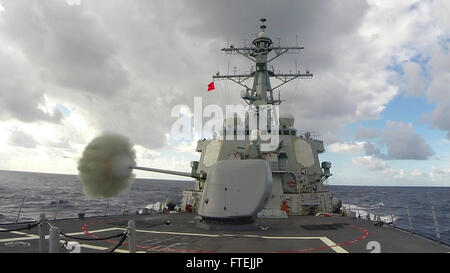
[{"x": 297, "y": 234}]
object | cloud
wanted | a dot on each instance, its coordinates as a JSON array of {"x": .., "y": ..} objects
[
  {"x": 438, "y": 173},
  {"x": 400, "y": 174},
  {"x": 346, "y": 147},
  {"x": 439, "y": 91},
  {"x": 415, "y": 81},
  {"x": 378, "y": 166},
  {"x": 21, "y": 99},
  {"x": 366, "y": 133},
  {"x": 439, "y": 8},
  {"x": 122, "y": 66},
  {"x": 69, "y": 45},
  {"x": 419, "y": 34},
  {"x": 370, "y": 150},
  {"x": 417, "y": 172},
  {"x": 22, "y": 139},
  {"x": 402, "y": 143},
  {"x": 126, "y": 63},
  {"x": 311, "y": 108},
  {"x": 371, "y": 163}
]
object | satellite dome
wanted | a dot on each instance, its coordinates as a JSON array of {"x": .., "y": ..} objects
[{"x": 287, "y": 120}]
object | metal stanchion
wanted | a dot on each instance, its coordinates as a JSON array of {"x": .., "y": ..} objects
[
  {"x": 56, "y": 211},
  {"x": 20, "y": 210},
  {"x": 132, "y": 236},
  {"x": 392, "y": 218},
  {"x": 411, "y": 228},
  {"x": 54, "y": 240},
  {"x": 107, "y": 205},
  {"x": 41, "y": 232},
  {"x": 436, "y": 225}
]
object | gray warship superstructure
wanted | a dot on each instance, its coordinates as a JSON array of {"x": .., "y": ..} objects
[{"x": 297, "y": 174}]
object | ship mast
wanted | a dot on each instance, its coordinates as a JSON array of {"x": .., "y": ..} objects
[{"x": 261, "y": 92}]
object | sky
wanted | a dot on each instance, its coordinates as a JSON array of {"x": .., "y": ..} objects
[{"x": 379, "y": 98}]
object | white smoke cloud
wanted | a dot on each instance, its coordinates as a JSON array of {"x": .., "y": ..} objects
[{"x": 105, "y": 166}]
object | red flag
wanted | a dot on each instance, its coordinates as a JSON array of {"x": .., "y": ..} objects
[{"x": 211, "y": 86}]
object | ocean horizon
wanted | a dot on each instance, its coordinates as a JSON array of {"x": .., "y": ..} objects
[
  {"x": 326, "y": 183},
  {"x": 61, "y": 196}
]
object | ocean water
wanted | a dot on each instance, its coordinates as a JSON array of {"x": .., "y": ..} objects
[
  {"x": 61, "y": 196},
  {"x": 393, "y": 203}
]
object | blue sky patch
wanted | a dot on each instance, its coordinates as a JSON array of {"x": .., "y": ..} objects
[{"x": 63, "y": 109}]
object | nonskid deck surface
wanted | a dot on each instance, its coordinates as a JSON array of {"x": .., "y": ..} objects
[{"x": 297, "y": 234}]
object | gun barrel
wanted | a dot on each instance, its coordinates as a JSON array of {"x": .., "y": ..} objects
[{"x": 201, "y": 176}]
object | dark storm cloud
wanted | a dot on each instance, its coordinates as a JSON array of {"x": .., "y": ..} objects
[
  {"x": 68, "y": 44},
  {"x": 402, "y": 143},
  {"x": 128, "y": 63},
  {"x": 25, "y": 108},
  {"x": 316, "y": 22},
  {"x": 323, "y": 27},
  {"x": 19, "y": 98}
]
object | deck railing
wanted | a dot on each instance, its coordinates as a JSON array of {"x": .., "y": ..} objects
[
  {"x": 57, "y": 210},
  {"x": 430, "y": 222},
  {"x": 416, "y": 220}
]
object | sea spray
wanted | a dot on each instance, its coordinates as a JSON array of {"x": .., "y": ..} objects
[{"x": 105, "y": 166}]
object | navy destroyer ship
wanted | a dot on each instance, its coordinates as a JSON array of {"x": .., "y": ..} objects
[{"x": 251, "y": 194}]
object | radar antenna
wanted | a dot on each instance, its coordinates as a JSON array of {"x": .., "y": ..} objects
[{"x": 261, "y": 53}]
